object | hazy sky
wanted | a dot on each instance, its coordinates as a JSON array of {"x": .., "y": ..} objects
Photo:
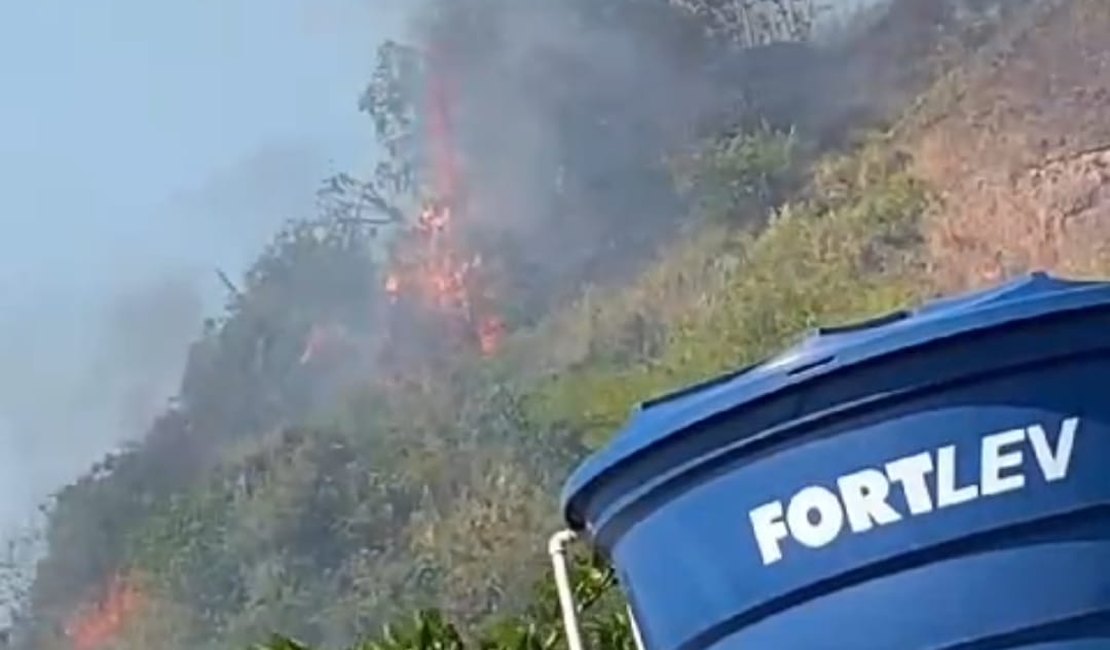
[{"x": 143, "y": 144}]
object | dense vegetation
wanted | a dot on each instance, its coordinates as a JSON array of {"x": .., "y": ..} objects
[{"x": 644, "y": 193}]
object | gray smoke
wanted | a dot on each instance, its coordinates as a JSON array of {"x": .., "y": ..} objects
[
  {"x": 565, "y": 112},
  {"x": 86, "y": 365}
]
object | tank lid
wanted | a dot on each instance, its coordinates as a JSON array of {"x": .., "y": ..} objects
[{"x": 827, "y": 350}]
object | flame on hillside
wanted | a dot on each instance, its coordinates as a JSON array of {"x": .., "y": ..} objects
[
  {"x": 430, "y": 265},
  {"x": 437, "y": 288},
  {"x": 433, "y": 271},
  {"x": 96, "y": 624}
]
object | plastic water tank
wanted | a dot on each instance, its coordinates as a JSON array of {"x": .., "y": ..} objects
[{"x": 933, "y": 479}]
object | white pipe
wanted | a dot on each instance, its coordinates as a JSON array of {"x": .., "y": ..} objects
[
  {"x": 557, "y": 549},
  {"x": 635, "y": 630}
]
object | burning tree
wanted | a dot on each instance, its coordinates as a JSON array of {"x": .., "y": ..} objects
[
  {"x": 432, "y": 273},
  {"x": 437, "y": 298},
  {"x": 94, "y": 625},
  {"x": 438, "y": 295}
]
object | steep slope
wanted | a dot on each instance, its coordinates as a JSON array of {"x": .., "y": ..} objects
[
  {"x": 282, "y": 502},
  {"x": 1016, "y": 144}
]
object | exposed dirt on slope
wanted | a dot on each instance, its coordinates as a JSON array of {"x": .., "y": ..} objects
[{"x": 1017, "y": 146}]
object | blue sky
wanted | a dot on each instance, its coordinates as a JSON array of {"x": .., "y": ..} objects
[
  {"x": 112, "y": 106},
  {"x": 142, "y": 145}
]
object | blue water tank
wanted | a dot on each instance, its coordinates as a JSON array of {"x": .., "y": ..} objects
[{"x": 932, "y": 479}]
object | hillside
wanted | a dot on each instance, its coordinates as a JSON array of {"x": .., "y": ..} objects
[
  {"x": 379, "y": 423},
  {"x": 1016, "y": 145}
]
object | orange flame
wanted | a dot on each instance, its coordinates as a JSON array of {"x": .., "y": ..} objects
[
  {"x": 325, "y": 340},
  {"x": 393, "y": 286},
  {"x": 490, "y": 334},
  {"x": 94, "y": 626},
  {"x": 430, "y": 266}
]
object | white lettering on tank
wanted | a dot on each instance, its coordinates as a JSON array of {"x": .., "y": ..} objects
[
  {"x": 948, "y": 494},
  {"x": 1054, "y": 465},
  {"x": 995, "y": 460},
  {"x": 814, "y": 516},
  {"x": 769, "y": 530},
  {"x": 910, "y": 472},
  {"x": 865, "y": 499}
]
